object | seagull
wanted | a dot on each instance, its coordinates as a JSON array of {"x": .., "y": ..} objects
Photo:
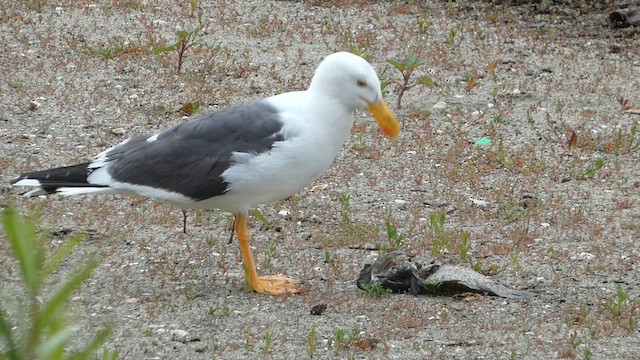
[{"x": 237, "y": 157}]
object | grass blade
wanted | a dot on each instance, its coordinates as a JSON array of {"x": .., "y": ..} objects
[
  {"x": 7, "y": 335},
  {"x": 261, "y": 217},
  {"x": 54, "y": 345},
  {"x": 91, "y": 349},
  {"x": 63, "y": 293},
  {"x": 21, "y": 235},
  {"x": 61, "y": 254}
]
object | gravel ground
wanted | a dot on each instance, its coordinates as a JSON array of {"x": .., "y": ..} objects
[{"x": 551, "y": 214}]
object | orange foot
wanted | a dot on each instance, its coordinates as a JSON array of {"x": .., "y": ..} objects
[{"x": 276, "y": 285}]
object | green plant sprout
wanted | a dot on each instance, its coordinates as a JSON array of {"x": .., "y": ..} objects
[
  {"x": 378, "y": 291},
  {"x": 344, "y": 208},
  {"x": 441, "y": 242},
  {"x": 41, "y": 329},
  {"x": 451, "y": 37},
  {"x": 186, "y": 40},
  {"x": 465, "y": 247},
  {"x": 268, "y": 339},
  {"x": 395, "y": 239},
  {"x": 328, "y": 259},
  {"x": 312, "y": 342},
  {"x": 471, "y": 80},
  {"x": 406, "y": 67},
  {"x": 588, "y": 173},
  {"x": 424, "y": 24},
  {"x": 619, "y": 300}
]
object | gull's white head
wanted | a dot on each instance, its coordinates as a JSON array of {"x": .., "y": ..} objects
[{"x": 352, "y": 81}]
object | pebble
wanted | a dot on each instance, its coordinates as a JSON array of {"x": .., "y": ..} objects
[
  {"x": 586, "y": 256},
  {"x": 118, "y": 131},
  {"x": 180, "y": 336},
  {"x": 440, "y": 105},
  {"x": 318, "y": 188},
  {"x": 285, "y": 214},
  {"x": 34, "y": 105},
  {"x": 478, "y": 202}
]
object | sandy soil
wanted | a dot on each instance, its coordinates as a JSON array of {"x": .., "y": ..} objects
[{"x": 556, "y": 216}]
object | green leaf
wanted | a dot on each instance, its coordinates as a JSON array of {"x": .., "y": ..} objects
[
  {"x": 398, "y": 65},
  {"x": 109, "y": 355},
  {"x": 61, "y": 254},
  {"x": 410, "y": 59},
  {"x": 163, "y": 49},
  {"x": 56, "y": 343},
  {"x": 183, "y": 34},
  {"x": 21, "y": 235},
  {"x": 261, "y": 217},
  {"x": 413, "y": 62},
  {"x": 427, "y": 81},
  {"x": 63, "y": 293},
  {"x": 89, "y": 351},
  {"x": 383, "y": 85},
  {"x": 7, "y": 335}
]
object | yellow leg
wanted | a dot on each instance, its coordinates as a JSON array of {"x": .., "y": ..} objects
[{"x": 272, "y": 285}]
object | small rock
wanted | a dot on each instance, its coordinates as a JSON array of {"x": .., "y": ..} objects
[
  {"x": 586, "y": 256},
  {"x": 478, "y": 202},
  {"x": 118, "y": 131},
  {"x": 285, "y": 214},
  {"x": 318, "y": 309},
  {"x": 440, "y": 105},
  {"x": 179, "y": 336},
  {"x": 319, "y": 188},
  {"x": 399, "y": 202},
  {"x": 34, "y": 105}
]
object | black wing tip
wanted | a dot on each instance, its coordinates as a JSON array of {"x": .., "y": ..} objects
[{"x": 21, "y": 177}]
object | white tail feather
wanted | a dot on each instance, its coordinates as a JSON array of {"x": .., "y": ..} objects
[{"x": 69, "y": 190}]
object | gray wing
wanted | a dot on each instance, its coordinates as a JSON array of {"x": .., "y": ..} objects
[
  {"x": 190, "y": 158},
  {"x": 450, "y": 279}
]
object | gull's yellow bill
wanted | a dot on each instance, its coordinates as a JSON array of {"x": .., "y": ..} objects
[{"x": 383, "y": 115}]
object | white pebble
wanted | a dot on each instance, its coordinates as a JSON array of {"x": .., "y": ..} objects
[
  {"x": 586, "y": 256},
  {"x": 440, "y": 105},
  {"x": 34, "y": 105},
  {"x": 478, "y": 202}
]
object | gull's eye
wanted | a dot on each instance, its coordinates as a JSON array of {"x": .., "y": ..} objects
[{"x": 362, "y": 83}]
